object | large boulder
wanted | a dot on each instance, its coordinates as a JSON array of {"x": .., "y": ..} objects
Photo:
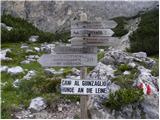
[{"x": 37, "y": 104}]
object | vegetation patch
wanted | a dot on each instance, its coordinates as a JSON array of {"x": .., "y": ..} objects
[
  {"x": 120, "y": 29},
  {"x": 123, "y": 97},
  {"x": 22, "y": 30},
  {"x": 146, "y": 37}
]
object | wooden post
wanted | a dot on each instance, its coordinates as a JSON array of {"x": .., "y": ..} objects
[{"x": 83, "y": 98}]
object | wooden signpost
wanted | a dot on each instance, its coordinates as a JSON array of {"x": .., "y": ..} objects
[{"x": 82, "y": 52}]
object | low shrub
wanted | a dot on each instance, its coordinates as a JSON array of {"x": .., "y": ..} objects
[{"x": 123, "y": 97}]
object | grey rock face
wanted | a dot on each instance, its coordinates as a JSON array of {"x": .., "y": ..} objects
[
  {"x": 56, "y": 15},
  {"x": 150, "y": 108}
]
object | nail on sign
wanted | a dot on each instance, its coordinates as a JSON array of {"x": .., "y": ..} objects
[
  {"x": 84, "y": 87},
  {"x": 49, "y": 60},
  {"x": 91, "y": 32}
]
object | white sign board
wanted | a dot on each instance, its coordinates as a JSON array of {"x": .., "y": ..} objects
[
  {"x": 84, "y": 87},
  {"x": 49, "y": 60},
  {"x": 74, "y": 50},
  {"x": 91, "y": 32},
  {"x": 93, "y": 24}
]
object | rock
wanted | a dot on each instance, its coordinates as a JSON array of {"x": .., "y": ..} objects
[
  {"x": 33, "y": 38},
  {"x": 48, "y": 48},
  {"x": 133, "y": 65},
  {"x": 150, "y": 107},
  {"x": 24, "y": 46},
  {"x": 15, "y": 70},
  {"x": 37, "y": 49},
  {"x": 116, "y": 57},
  {"x": 102, "y": 71},
  {"x": 113, "y": 88},
  {"x": 29, "y": 51},
  {"x": 101, "y": 50},
  {"x": 29, "y": 75},
  {"x": 60, "y": 108},
  {"x": 16, "y": 83},
  {"x": 3, "y": 68},
  {"x": 37, "y": 104},
  {"x": 126, "y": 73},
  {"x": 147, "y": 82},
  {"x": 25, "y": 62},
  {"x": 4, "y": 26},
  {"x": 140, "y": 55},
  {"x": 3, "y": 54},
  {"x": 77, "y": 103},
  {"x": 49, "y": 71},
  {"x": 75, "y": 71}
]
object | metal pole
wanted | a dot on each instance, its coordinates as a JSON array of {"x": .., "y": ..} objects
[{"x": 83, "y": 98}]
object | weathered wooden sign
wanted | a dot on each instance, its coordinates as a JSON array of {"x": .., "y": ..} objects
[
  {"x": 83, "y": 87},
  {"x": 49, "y": 60},
  {"x": 91, "y": 32},
  {"x": 74, "y": 50},
  {"x": 93, "y": 24},
  {"x": 91, "y": 41}
]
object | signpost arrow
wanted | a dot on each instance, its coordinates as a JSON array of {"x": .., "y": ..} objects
[
  {"x": 93, "y": 41},
  {"x": 49, "y": 60},
  {"x": 93, "y": 24},
  {"x": 74, "y": 50},
  {"x": 91, "y": 32}
]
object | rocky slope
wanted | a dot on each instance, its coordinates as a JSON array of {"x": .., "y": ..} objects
[{"x": 57, "y": 15}]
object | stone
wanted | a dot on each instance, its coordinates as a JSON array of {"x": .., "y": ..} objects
[
  {"x": 37, "y": 49},
  {"x": 140, "y": 55},
  {"x": 29, "y": 51},
  {"x": 15, "y": 70},
  {"x": 3, "y": 68},
  {"x": 24, "y": 46},
  {"x": 75, "y": 71},
  {"x": 47, "y": 48},
  {"x": 4, "y": 26},
  {"x": 133, "y": 65},
  {"x": 3, "y": 54},
  {"x": 25, "y": 62},
  {"x": 102, "y": 71},
  {"x": 33, "y": 38},
  {"x": 49, "y": 71},
  {"x": 126, "y": 73},
  {"x": 116, "y": 57},
  {"x": 16, "y": 83},
  {"x": 37, "y": 104},
  {"x": 29, "y": 75},
  {"x": 60, "y": 108}
]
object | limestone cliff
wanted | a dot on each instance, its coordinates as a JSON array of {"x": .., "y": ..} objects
[{"x": 56, "y": 15}]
